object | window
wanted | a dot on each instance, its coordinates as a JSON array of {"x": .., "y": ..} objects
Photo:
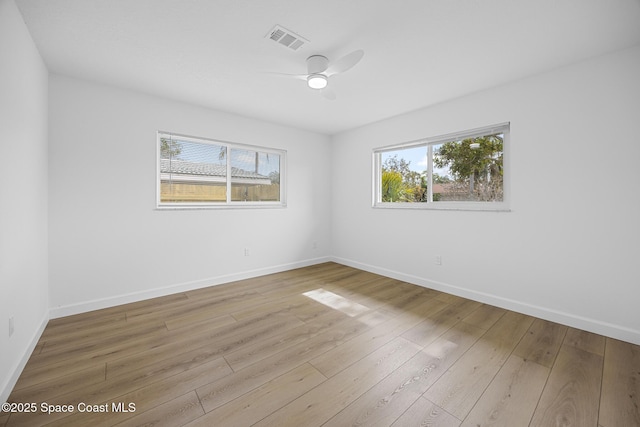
[
  {"x": 465, "y": 170},
  {"x": 196, "y": 172}
]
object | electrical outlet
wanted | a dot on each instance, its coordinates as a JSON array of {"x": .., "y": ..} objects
[
  {"x": 438, "y": 260},
  {"x": 11, "y": 326},
  {"x": 246, "y": 251},
  {"x": 315, "y": 245}
]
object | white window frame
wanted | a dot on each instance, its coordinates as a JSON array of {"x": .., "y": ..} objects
[
  {"x": 228, "y": 204},
  {"x": 503, "y": 206}
]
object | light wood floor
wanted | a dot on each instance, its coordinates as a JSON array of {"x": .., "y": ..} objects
[{"x": 326, "y": 345}]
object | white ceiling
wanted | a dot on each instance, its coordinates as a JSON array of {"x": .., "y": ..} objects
[{"x": 214, "y": 53}]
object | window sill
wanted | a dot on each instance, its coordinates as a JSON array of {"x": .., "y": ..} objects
[
  {"x": 239, "y": 205},
  {"x": 443, "y": 206}
]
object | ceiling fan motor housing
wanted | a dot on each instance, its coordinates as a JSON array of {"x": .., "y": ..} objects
[{"x": 317, "y": 64}]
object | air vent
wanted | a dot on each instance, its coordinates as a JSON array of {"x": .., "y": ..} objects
[{"x": 286, "y": 38}]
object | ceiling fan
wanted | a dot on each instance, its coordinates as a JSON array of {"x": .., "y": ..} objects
[{"x": 319, "y": 69}]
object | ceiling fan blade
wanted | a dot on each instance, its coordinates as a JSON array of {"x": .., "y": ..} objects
[
  {"x": 345, "y": 63},
  {"x": 295, "y": 76},
  {"x": 328, "y": 94}
]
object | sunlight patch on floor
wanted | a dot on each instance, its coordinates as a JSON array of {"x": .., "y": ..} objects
[
  {"x": 440, "y": 350},
  {"x": 336, "y": 302}
]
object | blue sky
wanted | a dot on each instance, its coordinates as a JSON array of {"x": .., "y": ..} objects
[{"x": 417, "y": 156}]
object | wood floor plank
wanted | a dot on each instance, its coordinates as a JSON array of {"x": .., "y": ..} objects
[
  {"x": 440, "y": 321},
  {"x": 223, "y": 391},
  {"x": 99, "y": 319},
  {"x": 151, "y": 367},
  {"x": 406, "y": 300},
  {"x": 337, "y": 302},
  {"x": 388, "y": 296},
  {"x": 373, "y": 294},
  {"x": 339, "y": 358},
  {"x": 146, "y": 392},
  {"x": 150, "y": 396},
  {"x": 253, "y": 284},
  {"x": 485, "y": 316},
  {"x": 81, "y": 323},
  {"x": 462, "y": 385},
  {"x": 216, "y": 342},
  {"x": 571, "y": 396},
  {"x": 542, "y": 342},
  {"x": 229, "y": 338},
  {"x": 198, "y": 318},
  {"x": 176, "y": 412},
  {"x": 511, "y": 397},
  {"x": 264, "y": 400},
  {"x": 92, "y": 343},
  {"x": 213, "y": 306},
  {"x": 318, "y": 405},
  {"x": 449, "y": 298},
  {"x": 96, "y": 352},
  {"x": 74, "y": 380},
  {"x": 586, "y": 341},
  {"x": 296, "y": 305},
  {"x": 424, "y": 413},
  {"x": 374, "y": 318},
  {"x": 620, "y": 399},
  {"x": 362, "y": 289},
  {"x": 292, "y": 287},
  {"x": 253, "y": 353},
  {"x": 389, "y": 399}
]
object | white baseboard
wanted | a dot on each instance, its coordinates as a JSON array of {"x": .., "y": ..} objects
[
  {"x": 592, "y": 325},
  {"x": 7, "y": 387},
  {"x": 83, "y": 307}
]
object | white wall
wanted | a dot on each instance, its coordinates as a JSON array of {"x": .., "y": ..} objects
[
  {"x": 108, "y": 243},
  {"x": 568, "y": 249},
  {"x": 23, "y": 195}
]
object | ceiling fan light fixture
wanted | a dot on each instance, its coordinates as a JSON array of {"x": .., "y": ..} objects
[{"x": 317, "y": 81}]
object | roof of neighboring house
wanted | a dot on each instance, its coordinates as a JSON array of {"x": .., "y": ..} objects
[
  {"x": 448, "y": 187},
  {"x": 205, "y": 169},
  {"x": 194, "y": 169}
]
